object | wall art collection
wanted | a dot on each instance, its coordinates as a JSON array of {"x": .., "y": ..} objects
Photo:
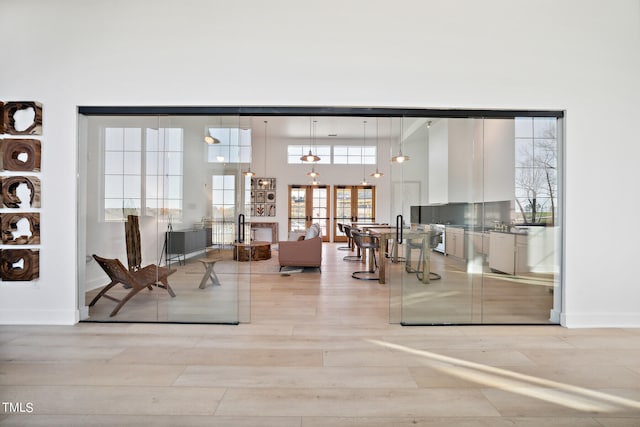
[
  {"x": 263, "y": 196},
  {"x": 20, "y": 193}
]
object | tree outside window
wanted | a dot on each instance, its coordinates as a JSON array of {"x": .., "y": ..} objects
[{"x": 536, "y": 170}]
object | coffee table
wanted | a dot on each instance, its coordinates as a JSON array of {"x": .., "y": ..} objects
[{"x": 253, "y": 251}]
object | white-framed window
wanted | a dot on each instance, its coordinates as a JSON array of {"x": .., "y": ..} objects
[
  {"x": 354, "y": 155},
  {"x": 536, "y": 170},
  {"x": 294, "y": 152},
  {"x": 142, "y": 172},
  {"x": 223, "y": 198},
  {"x": 234, "y": 145}
]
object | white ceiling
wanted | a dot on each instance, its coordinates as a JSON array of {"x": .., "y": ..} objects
[{"x": 326, "y": 128}]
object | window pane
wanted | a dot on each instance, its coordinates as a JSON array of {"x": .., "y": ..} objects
[
  {"x": 217, "y": 182},
  {"x": 174, "y": 187},
  {"x": 113, "y": 139},
  {"x": 152, "y": 187},
  {"x": 354, "y": 151},
  {"x": 544, "y": 127},
  {"x": 217, "y": 197},
  {"x": 152, "y": 164},
  {"x": 113, "y": 162},
  {"x": 132, "y": 186},
  {"x": 524, "y": 152},
  {"x": 132, "y": 139},
  {"x": 132, "y": 163},
  {"x": 524, "y": 127},
  {"x": 340, "y": 159},
  {"x": 228, "y": 197},
  {"x": 173, "y": 139},
  {"x": 546, "y": 153},
  {"x": 173, "y": 163},
  {"x": 113, "y": 186}
]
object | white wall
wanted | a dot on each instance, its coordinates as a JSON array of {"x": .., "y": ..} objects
[{"x": 574, "y": 55}]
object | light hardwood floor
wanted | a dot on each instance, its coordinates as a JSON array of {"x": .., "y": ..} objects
[{"x": 319, "y": 351}]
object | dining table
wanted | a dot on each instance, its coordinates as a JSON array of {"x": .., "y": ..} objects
[{"x": 389, "y": 233}]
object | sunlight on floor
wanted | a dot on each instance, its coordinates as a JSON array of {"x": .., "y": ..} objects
[{"x": 574, "y": 397}]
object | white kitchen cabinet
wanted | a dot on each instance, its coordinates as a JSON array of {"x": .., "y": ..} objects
[
  {"x": 502, "y": 248},
  {"x": 466, "y": 161},
  {"x": 522, "y": 254},
  {"x": 454, "y": 244},
  {"x": 479, "y": 242},
  {"x": 509, "y": 253}
]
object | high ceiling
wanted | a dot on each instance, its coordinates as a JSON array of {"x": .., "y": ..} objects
[{"x": 326, "y": 128}]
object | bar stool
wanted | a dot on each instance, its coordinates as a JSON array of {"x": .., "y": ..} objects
[
  {"x": 349, "y": 232},
  {"x": 434, "y": 240},
  {"x": 366, "y": 242},
  {"x": 344, "y": 248}
]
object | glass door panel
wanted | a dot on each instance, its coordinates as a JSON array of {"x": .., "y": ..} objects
[
  {"x": 298, "y": 212},
  {"x": 365, "y": 199},
  {"x": 185, "y": 216},
  {"x": 343, "y": 212},
  {"x": 320, "y": 209},
  {"x": 431, "y": 268},
  {"x": 490, "y": 212},
  {"x": 215, "y": 286},
  {"x": 353, "y": 203}
]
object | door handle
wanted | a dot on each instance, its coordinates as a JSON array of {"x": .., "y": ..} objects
[
  {"x": 241, "y": 228},
  {"x": 399, "y": 222}
]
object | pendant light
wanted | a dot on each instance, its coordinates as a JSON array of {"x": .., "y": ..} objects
[
  {"x": 400, "y": 158},
  {"x": 310, "y": 158},
  {"x": 262, "y": 182},
  {"x": 209, "y": 139},
  {"x": 313, "y": 172},
  {"x": 249, "y": 172},
  {"x": 364, "y": 143},
  {"x": 377, "y": 173}
]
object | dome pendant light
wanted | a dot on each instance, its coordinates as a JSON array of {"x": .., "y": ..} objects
[
  {"x": 249, "y": 172},
  {"x": 313, "y": 172},
  {"x": 400, "y": 158},
  {"x": 377, "y": 173},
  {"x": 310, "y": 158},
  {"x": 210, "y": 139}
]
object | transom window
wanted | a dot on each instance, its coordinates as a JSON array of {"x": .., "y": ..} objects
[
  {"x": 294, "y": 152},
  {"x": 354, "y": 155},
  {"x": 342, "y": 154},
  {"x": 234, "y": 145}
]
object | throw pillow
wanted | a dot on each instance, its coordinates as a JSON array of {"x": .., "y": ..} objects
[{"x": 312, "y": 232}]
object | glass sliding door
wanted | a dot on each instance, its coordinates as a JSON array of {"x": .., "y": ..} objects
[
  {"x": 157, "y": 196},
  {"x": 480, "y": 245}
]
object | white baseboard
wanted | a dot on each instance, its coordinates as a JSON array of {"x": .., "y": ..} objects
[
  {"x": 39, "y": 317},
  {"x": 601, "y": 320}
]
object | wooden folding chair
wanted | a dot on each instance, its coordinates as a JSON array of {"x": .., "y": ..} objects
[{"x": 146, "y": 277}]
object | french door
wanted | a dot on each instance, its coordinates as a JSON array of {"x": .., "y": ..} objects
[
  {"x": 353, "y": 203},
  {"x": 309, "y": 204}
]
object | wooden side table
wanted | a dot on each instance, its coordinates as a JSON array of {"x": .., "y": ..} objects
[
  {"x": 209, "y": 274},
  {"x": 254, "y": 251}
]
